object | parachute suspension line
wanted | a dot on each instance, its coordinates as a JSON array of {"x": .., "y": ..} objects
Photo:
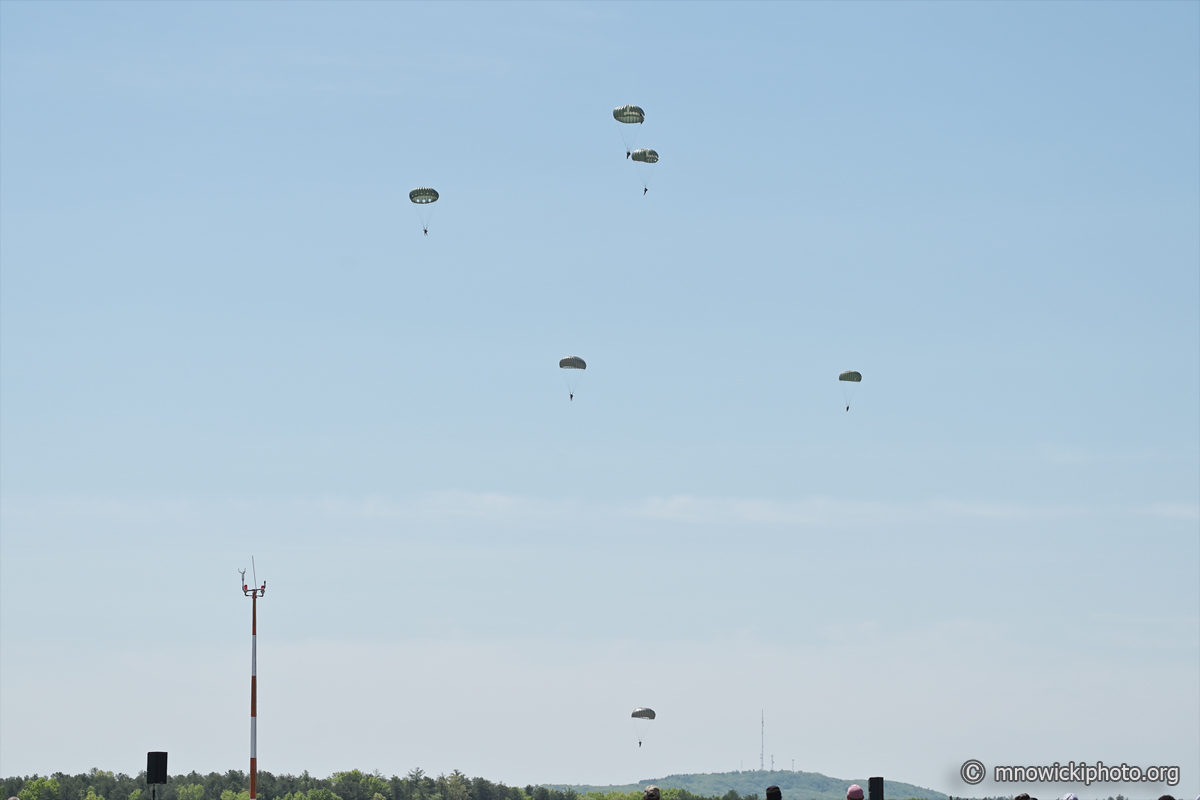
[
  {"x": 424, "y": 216},
  {"x": 629, "y": 135},
  {"x": 631, "y": 140}
]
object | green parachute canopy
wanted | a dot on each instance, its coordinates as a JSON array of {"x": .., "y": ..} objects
[
  {"x": 422, "y": 195},
  {"x": 849, "y": 381},
  {"x": 629, "y": 115},
  {"x": 573, "y": 374},
  {"x": 645, "y": 156},
  {"x": 639, "y": 718}
]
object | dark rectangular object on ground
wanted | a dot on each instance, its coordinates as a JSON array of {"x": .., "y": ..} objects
[
  {"x": 156, "y": 768},
  {"x": 875, "y": 789}
]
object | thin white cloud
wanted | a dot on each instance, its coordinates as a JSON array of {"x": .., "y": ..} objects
[
  {"x": 833, "y": 512},
  {"x": 500, "y": 508},
  {"x": 1188, "y": 511},
  {"x": 1067, "y": 455}
]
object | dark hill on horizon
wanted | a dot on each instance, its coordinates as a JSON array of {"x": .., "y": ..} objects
[{"x": 794, "y": 785}]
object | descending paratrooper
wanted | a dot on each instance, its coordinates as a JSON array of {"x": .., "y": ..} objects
[
  {"x": 575, "y": 366},
  {"x": 640, "y": 717},
  {"x": 423, "y": 197},
  {"x": 629, "y": 115},
  {"x": 647, "y": 157},
  {"x": 850, "y": 380}
]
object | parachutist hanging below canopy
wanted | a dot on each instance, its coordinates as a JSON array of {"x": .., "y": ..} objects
[
  {"x": 629, "y": 115},
  {"x": 645, "y": 158},
  {"x": 851, "y": 378},
  {"x": 642, "y": 715},
  {"x": 577, "y": 365},
  {"x": 423, "y": 197}
]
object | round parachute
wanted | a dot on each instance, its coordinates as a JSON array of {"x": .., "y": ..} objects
[
  {"x": 849, "y": 381},
  {"x": 643, "y": 163},
  {"x": 629, "y": 115},
  {"x": 424, "y": 198},
  {"x": 422, "y": 195},
  {"x": 640, "y": 719},
  {"x": 574, "y": 367}
]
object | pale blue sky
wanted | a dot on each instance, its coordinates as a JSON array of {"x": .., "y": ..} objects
[{"x": 223, "y": 334}]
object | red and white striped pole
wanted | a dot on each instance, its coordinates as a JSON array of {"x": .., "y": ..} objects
[{"x": 253, "y": 594}]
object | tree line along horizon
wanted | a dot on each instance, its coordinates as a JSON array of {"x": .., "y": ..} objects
[{"x": 98, "y": 784}]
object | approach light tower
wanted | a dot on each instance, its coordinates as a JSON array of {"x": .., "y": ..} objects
[{"x": 253, "y": 594}]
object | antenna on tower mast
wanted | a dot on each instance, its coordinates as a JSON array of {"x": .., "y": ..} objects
[
  {"x": 253, "y": 592},
  {"x": 762, "y": 738}
]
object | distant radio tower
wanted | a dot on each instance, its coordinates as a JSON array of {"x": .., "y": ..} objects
[
  {"x": 253, "y": 594},
  {"x": 762, "y": 737}
]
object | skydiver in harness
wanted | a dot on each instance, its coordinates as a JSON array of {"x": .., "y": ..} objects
[
  {"x": 627, "y": 154},
  {"x": 426, "y": 231},
  {"x": 572, "y": 395},
  {"x": 645, "y": 190}
]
